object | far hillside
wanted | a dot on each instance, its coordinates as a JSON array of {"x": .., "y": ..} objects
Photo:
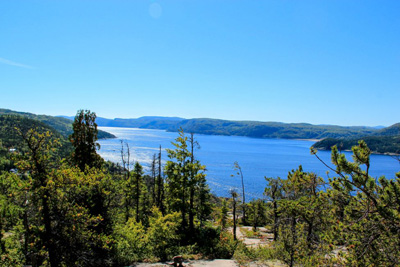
[
  {"x": 146, "y": 122},
  {"x": 386, "y": 140},
  {"x": 62, "y": 125},
  {"x": 255, "y": 129},
  {"x": 260, "y": 129},
  {"x": 11, "y": 139}
]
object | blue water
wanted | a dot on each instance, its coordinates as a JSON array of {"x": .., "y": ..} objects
[{"x": 258, "y": 158}]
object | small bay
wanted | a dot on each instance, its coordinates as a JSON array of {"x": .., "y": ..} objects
[{"x": 258, "y": 158}]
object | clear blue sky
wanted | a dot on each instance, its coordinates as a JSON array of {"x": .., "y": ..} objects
[{"x": 321, "y": 61}]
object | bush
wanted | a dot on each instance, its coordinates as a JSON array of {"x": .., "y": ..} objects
[{"x": 131, "y": 242}]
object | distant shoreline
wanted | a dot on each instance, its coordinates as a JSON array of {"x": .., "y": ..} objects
[
  {"x": 302, "y": 139},
  {"x": 173, "y": 131}
]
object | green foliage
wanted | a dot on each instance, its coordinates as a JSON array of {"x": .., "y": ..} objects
[
  {"x": 223, "y": 217},
  {"x": 62, "y": 211},
  {"x": 249, "y": 233},
  {"x": 131, "y": 242},
  {"x": 212, "y": 242},
  {"x": 61, "y": 125},
  {"x": 186, "y": 186},
  {"x": 84, "y": 139},
  {"x": 262, "y": 255},
  {"x": 378, "y": 144},
  {"x": 269, "y": 129},
  {"x": 162, "y": 233},
  {"x": 257, "y": 213},
  {"x": 79, "y": 202},
  {"x": 371, "y": 221},
  {"x": 11, "y": 200},
  {"x": 12, "y": 142},
  {"x": 52, "y": 214},
  {"x": 302, "y": 217},
  {"x": 226, "y": 246},
  {"x": 386, "y": 140},
  {"x": 12, "y": 251}
]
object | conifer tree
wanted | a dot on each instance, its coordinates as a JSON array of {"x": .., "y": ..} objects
[
  {"x": 186, "y": 182},
  {"x": 84, "y": 140}
]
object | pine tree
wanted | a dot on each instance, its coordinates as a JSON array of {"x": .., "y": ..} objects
[{"x": 84, "y": 140}]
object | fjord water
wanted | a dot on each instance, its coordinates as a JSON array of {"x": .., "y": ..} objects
[{"x": 258, "y": 158}]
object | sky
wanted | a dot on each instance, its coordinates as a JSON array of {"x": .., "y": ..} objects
[{"x": 320, "y": 62}]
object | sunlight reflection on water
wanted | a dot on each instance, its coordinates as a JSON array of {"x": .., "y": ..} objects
[{"x": 257, "y": 157}]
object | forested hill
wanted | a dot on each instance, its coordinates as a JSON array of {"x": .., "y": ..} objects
[
  {"x": 269, "y": 129},
  {"x": 239, "y": 128},
  {"x": 386, "y": 140},
  {"x": 62, "y": 125},
  {"x": 11, "y": 139}
]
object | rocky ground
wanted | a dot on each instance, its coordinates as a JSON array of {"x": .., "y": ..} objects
[
  {"x": 212, "y": 263},
  {"x": 263, "y": 238},
  {"x": 195, "y": 263}
]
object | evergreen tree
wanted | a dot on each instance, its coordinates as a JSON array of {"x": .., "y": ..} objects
[
  {"x": 186, "y": 181},
  {"x": 84, "y": 140},
  {"x": 257, "y": 213},
  {"x": 274, "y": 192},
  {"x": 38, "y": 162},
  {"x": 139, "y": 188},
  {"x": 223, "y": 215},
  {"x": 369, "y": 222}
]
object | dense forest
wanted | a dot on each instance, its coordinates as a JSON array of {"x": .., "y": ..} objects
[
  {"x": 61, "y": 204},
  {"x": 62, "y": 125},
  {"x": 386, "y": 140}
]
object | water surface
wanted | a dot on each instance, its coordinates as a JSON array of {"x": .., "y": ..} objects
[{"x": 258, "y": 158}]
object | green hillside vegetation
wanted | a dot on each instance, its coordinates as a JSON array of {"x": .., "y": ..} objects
[
  {"x": 377, "y": 144},
  {"x": 11, "y": 140},
  {"x": 269, "y": 129},
  {"x": 62, "y": 125},
  {"x": 386, "y": 140},
  {"x": 81, "y": 211},
  {"x": 390, "y": 131}
]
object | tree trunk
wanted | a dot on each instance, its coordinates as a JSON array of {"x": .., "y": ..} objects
[
  {"x": 48, "y": 240},
  {"x": 137, "y": 197},
  {"x": 276, "y": 220},
  {"x": 294, "y": 239},
  {"x": 234, "y": 219},
  {"x": 191, "y": 208},
  {"x": 160, "y": 188},
  {"x": 191, "y": 183},
  {"x": 183, "y": 206}
]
